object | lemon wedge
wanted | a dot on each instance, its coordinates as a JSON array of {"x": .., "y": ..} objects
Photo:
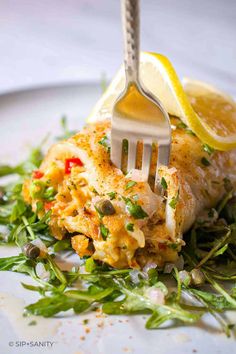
[{"x": 208, "y": 112}]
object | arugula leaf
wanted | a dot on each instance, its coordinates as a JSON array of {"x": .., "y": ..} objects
[
  {"x": 172, "y": 312},
  {"x": 56, "y": 270},
  {"x": 18, "y": 210},
  {"x": 62, "y": 245},
  {"x": 90, "y": 265},
  {"x": 6, "y": 170},
  {"x": 218, "y": 302},
  {"x": 50, "y": 306},
  {"x": 8, "y": 263},
  {"x": 77, "y": 300}
]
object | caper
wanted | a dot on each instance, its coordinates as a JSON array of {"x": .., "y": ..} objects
[
  {"x": 105, "y": 207},
  {"x": 30, "y": 250},
  {"x": 197, "y": 277}
]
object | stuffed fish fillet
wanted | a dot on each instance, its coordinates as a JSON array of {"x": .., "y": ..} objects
[{"x": 117, "y": 218}]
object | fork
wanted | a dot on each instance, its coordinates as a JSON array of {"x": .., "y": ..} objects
[{"x": 137, "y": 115}]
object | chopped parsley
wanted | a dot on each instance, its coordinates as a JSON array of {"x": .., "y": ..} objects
[
  {"x": 112, "y": 195},
  {"x": 182, "y": 125},
  {"x": 205, "y": 161},
  {"x": 94, "y": 191},
  {"x": 130, "y": 227},
  {"x": 105, "y": 142},
  {"x": 134, "y": 209},
  {"x": 38, "y": 189},
  {"x": 100, "y": 214},
  {"x": 174, "y": 201},
  {"x": 173, "y": 246},
  {"x": 190, "y": 132},
  {"x": 104, "y": 231},
  {"x": 163, "y": 183},
  {"x": 208, "y": 149},
  {"x": 49, "y": 194},
  {"x": 130, "y": 184},
  {"x": 39, "y": 206}
]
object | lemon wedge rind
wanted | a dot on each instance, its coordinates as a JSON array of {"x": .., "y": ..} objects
[{"x": 159, "y": 77}]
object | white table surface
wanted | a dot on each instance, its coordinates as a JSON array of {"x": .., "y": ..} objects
[{"x": 55, "y": 41}]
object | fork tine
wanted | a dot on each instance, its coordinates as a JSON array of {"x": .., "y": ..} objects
[
  {"x": 163, "y": 155},
  {"x": 147, "y": 153},
  {"x": 116, "y": 151},
  {"x": 131, "y": 155},
  {"x": 163, "y": 159}
]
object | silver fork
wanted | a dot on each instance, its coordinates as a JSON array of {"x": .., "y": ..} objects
[{"x": 147, "y": 122}]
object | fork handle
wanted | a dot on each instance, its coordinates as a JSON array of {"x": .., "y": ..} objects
[{"x": 131, "y": 29}]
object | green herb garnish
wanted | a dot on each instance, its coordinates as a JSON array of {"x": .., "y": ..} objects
[
  {"x": 163, "y": 183},
  {"x": 205, "y": 161},
  {"x": 104, "y": 231},
  {"x": 62, "y": 245},
  {"x": 112, "y": 195},
  {"x": 173, "y": 202},
  {"x": 130, "y": 227},
  {"x": 208, "y": 149},
  {"x": 181, "y": 125},
  {"x": 130, "y": 184},
  {"x": 105, "y": 143},
  {"x": 135, "y": 209}
]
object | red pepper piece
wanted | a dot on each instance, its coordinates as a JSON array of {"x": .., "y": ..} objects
[
  {"x": 48, "y": 205},
  {"x": 37, "y": 174},
  {"x": 162, "y": 246},
  {"x": 69, "y": 163}
]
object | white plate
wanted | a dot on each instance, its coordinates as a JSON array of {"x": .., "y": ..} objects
[{"x": 25, "y": 118}]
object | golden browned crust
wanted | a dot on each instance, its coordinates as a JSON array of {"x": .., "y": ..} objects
[{"x": 190, "y": 183}]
